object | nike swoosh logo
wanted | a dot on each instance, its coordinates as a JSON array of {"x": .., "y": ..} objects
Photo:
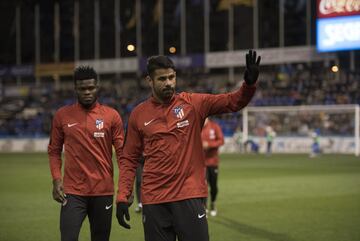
[
  {"x": 108, "y": 207},
  {"x": 201, "y": 215},
  {"x": 147, "y": 123},
  {"x": 73, "y": 124}
]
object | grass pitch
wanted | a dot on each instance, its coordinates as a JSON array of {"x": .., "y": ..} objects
[{"x": 261, "y": 198}]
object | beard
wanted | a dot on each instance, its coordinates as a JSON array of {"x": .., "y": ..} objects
[
  {"x": 165, "y": 94},
  {"x": 168, "y": 91}
]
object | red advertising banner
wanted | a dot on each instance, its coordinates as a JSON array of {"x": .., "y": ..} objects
[{"x": 336, "y": 8}]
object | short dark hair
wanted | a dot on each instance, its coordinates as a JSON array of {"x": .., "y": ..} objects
[
  {"x": 85, "y": 72},
  {"x": 159, "y": 62}
]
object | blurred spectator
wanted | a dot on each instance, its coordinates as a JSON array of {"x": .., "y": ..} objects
[{"x": 296, "y": 84}]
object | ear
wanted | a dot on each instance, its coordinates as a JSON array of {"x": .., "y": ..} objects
[{"x": 149, "y": 80}]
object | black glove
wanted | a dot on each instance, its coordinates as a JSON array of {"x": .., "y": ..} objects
[
  {"x": 122, "y": 210},
  {"x": 252, "y": 67}
]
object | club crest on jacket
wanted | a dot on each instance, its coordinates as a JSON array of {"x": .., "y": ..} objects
[
  {"x": 179, "y": 112},
  {"x": 99, "y": 123}
]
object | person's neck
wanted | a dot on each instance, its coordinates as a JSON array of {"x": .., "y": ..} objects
[{"x": 88, "y": 107}]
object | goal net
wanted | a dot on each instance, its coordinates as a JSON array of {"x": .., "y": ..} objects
[{"x": 295, "y": 129}]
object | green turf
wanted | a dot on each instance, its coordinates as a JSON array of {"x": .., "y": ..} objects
[{"x": 261, "y": 198}]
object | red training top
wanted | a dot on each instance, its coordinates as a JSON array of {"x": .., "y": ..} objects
[
  {"x": 87, "y": 136},
  {"x": 212, "y": 134},
  {"x": 169, "y": 137}
]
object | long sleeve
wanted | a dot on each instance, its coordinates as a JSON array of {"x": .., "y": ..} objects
[
  {"x": 129, "y": 160},
  {"x": 55, "y": 147},
  {"x": 209, "y": 104},
  {"x": 117, "y": 131}
]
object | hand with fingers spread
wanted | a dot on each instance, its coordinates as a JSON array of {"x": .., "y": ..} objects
[
  {"x": 252, "y": 67},
  {"x": 58, "y": 193},
  {"x": 122, "y": 213}
]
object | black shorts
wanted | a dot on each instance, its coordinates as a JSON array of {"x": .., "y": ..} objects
[
  {"x": 184, "y": 220},
  {"x": 97, "y": 208}
]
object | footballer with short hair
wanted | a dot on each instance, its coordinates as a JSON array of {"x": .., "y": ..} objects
[{"x": 166, "y": 130}]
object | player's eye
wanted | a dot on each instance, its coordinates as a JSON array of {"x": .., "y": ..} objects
[
  {"x": 92, "y": 88},
  {"x": 162, "y": 78}
]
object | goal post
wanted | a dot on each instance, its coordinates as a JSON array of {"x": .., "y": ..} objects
[{"x": 339, "y": 125}]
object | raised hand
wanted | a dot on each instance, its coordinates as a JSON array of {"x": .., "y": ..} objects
[{"x": 252, "y": 67}]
